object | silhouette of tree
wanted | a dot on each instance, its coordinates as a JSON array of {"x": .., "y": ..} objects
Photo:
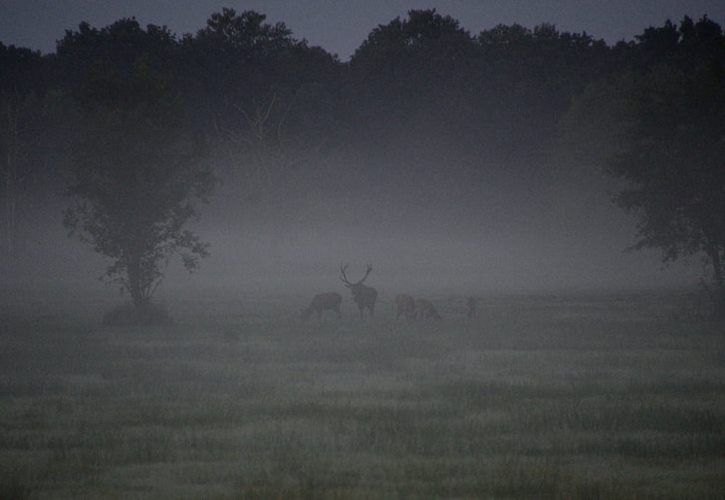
[
  {"x": 22, "y": 89},
  {"x": 267, "y": 97},
  {"x": 668, "y": 112},
  {"x": 231, "y": 62},
  {"x": 137, "y": 171},
  {"x": 409, "y": 69}
]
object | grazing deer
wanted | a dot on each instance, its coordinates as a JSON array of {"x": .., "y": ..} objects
[
  {"x": 405, "y": 306},
  {"x": 471, "y": 303},
  {"x": 364, "y": 296},
  {"x": 322, "y": 302},
  {"x": 426, "y": 310}
]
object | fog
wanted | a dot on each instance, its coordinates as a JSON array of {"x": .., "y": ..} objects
[
  {"x": 443, "y": 162},
  {"x": 486, "y": 185},
  {"x": 508, "y": 242},
  {"x": 547, "y": 235},
  {"x": 425, "y": 227}
]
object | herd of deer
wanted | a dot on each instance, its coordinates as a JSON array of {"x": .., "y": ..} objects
[{"x": 365, "y": 298}]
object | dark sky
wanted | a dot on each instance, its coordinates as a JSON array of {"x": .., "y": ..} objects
[{"x": 340, "y": 25}]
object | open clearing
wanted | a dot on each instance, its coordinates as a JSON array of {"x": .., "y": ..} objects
[{"x": 568, "y": 396}]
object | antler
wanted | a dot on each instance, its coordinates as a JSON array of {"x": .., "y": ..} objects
[
  {"x": 370, "y": 268},
  {"x": 343, "y": 277}
]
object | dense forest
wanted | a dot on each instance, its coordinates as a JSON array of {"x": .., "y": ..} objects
[{"x": 126, "y": 132}]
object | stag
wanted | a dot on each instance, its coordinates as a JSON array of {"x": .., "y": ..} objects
[
  {"x": 426, "y": 310},
  {"x": 364, "y": 296},
  {"x": 405, "y": 306},
  {"x": 322, "y": 302}
]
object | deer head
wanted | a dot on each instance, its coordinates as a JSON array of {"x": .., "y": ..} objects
[{"x": 354, "y": 287}]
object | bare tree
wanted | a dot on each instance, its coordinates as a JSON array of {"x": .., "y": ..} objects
[
  {"x": 322, "y": 302},
  {"x": 264, "y": 148},
  {"x": 364, "y": 296},
  {"x": 269, "y": 157}
]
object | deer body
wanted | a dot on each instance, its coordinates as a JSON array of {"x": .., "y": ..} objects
[
  {"x": 322, "y": 302},
  {"x": 404, "y": 306},
  {"x": 425, "y": 309},
  {"x": 364, "y": 296},
  {"x": 471, "y": 303}
]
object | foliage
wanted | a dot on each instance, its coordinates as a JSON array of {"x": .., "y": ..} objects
[
  {"x": 407, "y": 68},
  {"x": 238, "y": 60},
  {"x": 488, "y": 94},
  {"x": 267, "y": 97},
  {"x": 136, "y": 172},
  {"x": 23, "y": 120},
  {"x": 670, "y": 112}
]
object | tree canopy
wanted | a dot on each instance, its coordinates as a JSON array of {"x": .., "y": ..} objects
[
  {"x": 136, "y": 167},
  {"x": 668, "y": 108}
]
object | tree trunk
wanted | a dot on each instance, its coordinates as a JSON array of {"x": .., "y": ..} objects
[
  {"x": 9, "y": 215},
  {"x": 135, "y": 288},
  {"x": 717, "y": 267},
  {"x": 11, "y": 177}
]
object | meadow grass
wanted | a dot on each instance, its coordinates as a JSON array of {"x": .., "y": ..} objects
[{"x": 580, "y": 396}]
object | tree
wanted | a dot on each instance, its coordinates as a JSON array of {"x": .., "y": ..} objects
[
  {"x": 267, "y": 97},
  {"x": 670, "y": 111},
  {"x": 230, "y": 62},
  {"x": 21, "y": 119},
  {"x": 407, "y": 67},
  {"x": 137, "y": 175},
  {"x": 15, "y": 111},
  {"x": 497, "y": 95}
]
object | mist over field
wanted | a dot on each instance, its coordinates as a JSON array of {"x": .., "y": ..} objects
[
  {"x": 435, "y": 220},
  {"x": 417, "y": 237},
  {"x": 460, "y": 263},
  {"x": 448, "y": 159}
]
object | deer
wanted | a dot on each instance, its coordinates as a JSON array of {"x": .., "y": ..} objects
[
  {"x": 322, "y": 302},
  {"x": 471, "y": 304},
  {"x": 405, "y": 306},
  {"x": 364, "y": 296},
  {"x": 425, "y": 309}
]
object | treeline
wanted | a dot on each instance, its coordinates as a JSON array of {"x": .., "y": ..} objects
[
  {"x": 242, "y": 79},
  {"x": 422, "y": 102},
  {"x": 252, "y": 88}
]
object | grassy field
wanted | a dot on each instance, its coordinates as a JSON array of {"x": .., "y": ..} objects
[{"x": 590, "y": 396}]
